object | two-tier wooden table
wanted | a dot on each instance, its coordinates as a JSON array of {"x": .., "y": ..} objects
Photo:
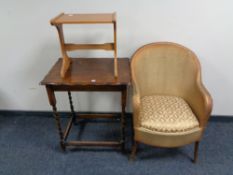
[{"x": 88, "y": 74}]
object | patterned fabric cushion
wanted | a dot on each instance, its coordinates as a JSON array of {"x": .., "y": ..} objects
[{"x": 166, "y": 114}]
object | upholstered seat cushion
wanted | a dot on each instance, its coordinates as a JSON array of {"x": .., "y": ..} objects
[{"x": 166, "y": 114}]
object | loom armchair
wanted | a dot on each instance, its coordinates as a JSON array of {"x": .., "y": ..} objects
[{"x": 171, "y": 107}]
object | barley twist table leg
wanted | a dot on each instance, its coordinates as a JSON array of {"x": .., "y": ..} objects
[
  {"x": 58, "y": 123},
  {"x": 123, "y": 105},
  {"x": 72, "y": 108},
  {"x": 52, "y": 101}
]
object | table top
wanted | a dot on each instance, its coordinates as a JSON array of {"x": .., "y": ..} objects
[
  {"x": 90, "y": 71},
  {"x": 100, "y": 18}
]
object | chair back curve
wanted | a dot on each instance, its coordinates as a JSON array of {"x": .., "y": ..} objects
[{"x": 164, "y": 68}]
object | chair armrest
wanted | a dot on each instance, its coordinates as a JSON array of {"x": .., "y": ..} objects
[
  {"x": 201, "y": 102},
  {"x": 136, "y": 109}
]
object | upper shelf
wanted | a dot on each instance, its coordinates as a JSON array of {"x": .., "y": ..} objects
[{"x": 100, "y": 18}]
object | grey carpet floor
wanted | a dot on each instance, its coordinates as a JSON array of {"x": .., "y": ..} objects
[{"x": 29, "y": 146}]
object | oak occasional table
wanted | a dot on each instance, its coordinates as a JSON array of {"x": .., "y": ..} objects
[{"x": 88, "y": 74}]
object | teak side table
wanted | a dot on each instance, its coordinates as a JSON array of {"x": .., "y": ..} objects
[
  {"x": 108, "y": 18},
  {"x": 92, "y": 74}
]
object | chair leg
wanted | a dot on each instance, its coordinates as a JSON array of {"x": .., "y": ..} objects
[
  {"x": 196, "y": 152},
  {"x": 134, "y": 150}
]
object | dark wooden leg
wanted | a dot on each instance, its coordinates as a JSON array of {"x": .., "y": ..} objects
[
  {"x": 134, "y": 143},
  {"x": 134, "y": 150},
  {"x": 52, "y": 101},
  {"x": 132, "y": 131},
  {"x": 196, "y": 152},
  {"x": 123, "y": 105},
  {"x": 72, "y": 108}
]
